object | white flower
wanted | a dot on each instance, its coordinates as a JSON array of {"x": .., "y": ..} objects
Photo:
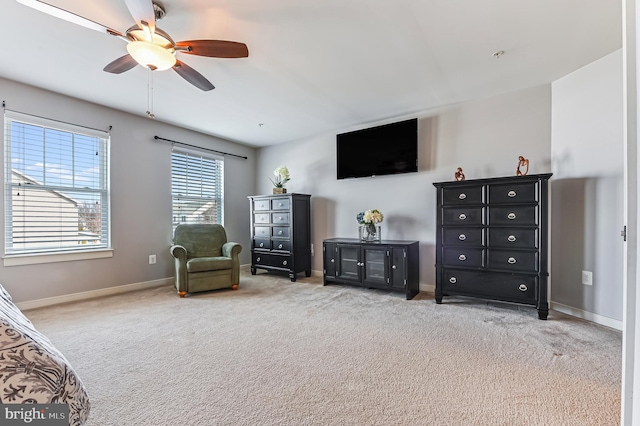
[
  {"x": 282, "y": 176},
  {"x": 370, "y": 217},
  {"x": 281, "y": 172}
]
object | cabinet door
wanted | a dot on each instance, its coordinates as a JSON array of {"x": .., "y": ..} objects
[
  {"x": 329, "y": 259},
  {"x": 348, "y": 259},
  {"x": 375, "y": 268},
  {"x": 398, "y": 279}
]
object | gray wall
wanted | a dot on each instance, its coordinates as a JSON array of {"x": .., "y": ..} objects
[
  {"x": 140, "y": 197},
  {"x": 484, "y": 137},
  {"x": 587, "y": 208}
]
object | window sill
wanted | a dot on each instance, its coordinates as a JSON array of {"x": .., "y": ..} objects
[{"x": 33, "y": 259}]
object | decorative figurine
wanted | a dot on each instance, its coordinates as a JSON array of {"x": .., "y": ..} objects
[
  {"x": 522, "y": 162},
  {"x": 459, "y": 176}
]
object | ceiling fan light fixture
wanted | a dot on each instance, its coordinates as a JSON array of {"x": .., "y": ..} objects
[{"x": 151, "y": 55}]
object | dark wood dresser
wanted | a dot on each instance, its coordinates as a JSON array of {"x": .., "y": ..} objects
[
  {"x": 492, "y": 239},
  {"x": 281, "y": 233}
]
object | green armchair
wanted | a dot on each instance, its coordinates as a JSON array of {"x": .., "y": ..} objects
[{"x": 204, "y": 259}]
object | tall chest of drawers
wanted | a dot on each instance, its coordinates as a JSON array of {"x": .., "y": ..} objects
[
  {"x": 281, "y": 233},
  {"x": 492, "y": 240}
]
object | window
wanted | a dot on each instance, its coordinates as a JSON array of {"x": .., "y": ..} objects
[
  {"x": 56, "y": 186},
  {"x": 196, "y": 187}
]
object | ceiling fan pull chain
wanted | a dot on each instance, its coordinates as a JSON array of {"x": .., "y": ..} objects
[{"x": 150, "y": 113}]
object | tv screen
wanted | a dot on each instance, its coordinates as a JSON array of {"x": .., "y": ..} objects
[{"x": 381, "y": 150}]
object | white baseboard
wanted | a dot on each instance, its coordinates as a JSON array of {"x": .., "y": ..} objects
[
  {"x": 589, "y": 316},
  {"x": 429, "y": 288},
  {"x": 109, "y": 291}
]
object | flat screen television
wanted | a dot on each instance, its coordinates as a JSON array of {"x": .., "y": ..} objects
[{"x": 382, "y": 150}]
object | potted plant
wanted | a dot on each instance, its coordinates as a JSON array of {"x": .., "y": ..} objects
[
  {"x": 282, "y": 176},
  {"x": 369, "y": 230}
]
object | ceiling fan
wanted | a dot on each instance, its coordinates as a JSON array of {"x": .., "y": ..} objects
[{"x": 148, "y": 45}]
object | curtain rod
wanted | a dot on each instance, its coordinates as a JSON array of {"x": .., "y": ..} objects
[
  {"x": 199, "y": 147},
  {"x": 4, "y": 105}
]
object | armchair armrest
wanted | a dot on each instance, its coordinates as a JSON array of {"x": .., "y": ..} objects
[
  {"x": 180, "y": 255},
  {"x": 231, "y": 249},
  {"x": 178, "y": 252}
]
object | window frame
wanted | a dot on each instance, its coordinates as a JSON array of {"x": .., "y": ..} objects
[
  {"x": 198, "y": 155},
  {"x": 62, "y": 252}
]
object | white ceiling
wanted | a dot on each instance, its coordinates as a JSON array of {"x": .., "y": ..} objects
[{"x": 314, "y": 66}]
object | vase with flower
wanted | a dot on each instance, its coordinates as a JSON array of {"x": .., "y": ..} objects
[
  {"x": 282, "y": 176},
  {"x": 369, "y": 229}
]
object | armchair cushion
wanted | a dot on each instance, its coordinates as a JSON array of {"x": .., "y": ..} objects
[{"x": 201, "y": 264}]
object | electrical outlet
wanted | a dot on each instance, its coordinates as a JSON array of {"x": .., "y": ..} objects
[
  {"x": 152, "y": 259},
  {"x": 587, "y": 277}
]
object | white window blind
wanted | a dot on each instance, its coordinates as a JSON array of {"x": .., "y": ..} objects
[
  {"x": 196, "y": 187},
  {"x": 56, "y": 186}
]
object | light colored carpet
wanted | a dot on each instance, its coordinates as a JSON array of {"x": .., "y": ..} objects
[{"x": 281, "y": 353}]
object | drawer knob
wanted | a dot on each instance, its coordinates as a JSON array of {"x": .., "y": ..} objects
[
  {"x": 333, "y": 260},
  {"x": 462, "y": 237},
  {"x": 462, "y": 258},
  {"x": 394, "y": 267},
  {"x": 453, "y": 280},
  {"x": 512, "y": 260},
  {"x": 279, "y": 232},
  {"x": 284, "y": 263},
  {"x": 261, "y": 244},
  {"x": 279, "y": 246},
  {"x": 462, "y": 216},
  {"x": 257, "y": 259},
  {"x": 511, "y": 238},
  {"x": 522, "y": 287},
  {"x": 511, "y": 194},
  {"x": 462, "y": 196},
  {"x": 280, "y": 204},
  {"x": 511, "y": 215}
]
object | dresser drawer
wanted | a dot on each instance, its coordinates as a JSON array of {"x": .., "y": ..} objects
[
  {"x": 460, "y": 256},
  {"x": 513, "y": 238},
  {"x": 262, "y": 244},
  {"x": 273, "y": 260},
  {"x": 513, "y": 216},
  {"x": 512, "y": 260},
  {"x": 261, "y": 205},
  {"x": 261, "y": 232},
  {"x": 281, "y": 231},
  {"x": 462, "y": 195},
  {"x": 280, "y": 218},
  {"x": 462, "y": 236},
  {"x": 513, "y": 193},
  {"x": 462, "y": 216},
  {"x": 280, "y": 204},
  {"x": 282, "y": 245},
  {"x": 261, "y": 218},
  {"x": 507, "y": 287}
]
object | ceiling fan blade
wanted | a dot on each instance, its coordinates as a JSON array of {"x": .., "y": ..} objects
[
  {"x": 120, "y": 65},
  {"x": 71, "y": 17},
  {"x": 142, "y": 11},
  {"x": 214, "y": 48},
  {"x": 192, "y": 76}
]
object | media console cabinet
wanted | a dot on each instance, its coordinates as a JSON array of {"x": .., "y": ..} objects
[
  {"x": 491, "y": 239},
  {"x": 388, "y": 265}
]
